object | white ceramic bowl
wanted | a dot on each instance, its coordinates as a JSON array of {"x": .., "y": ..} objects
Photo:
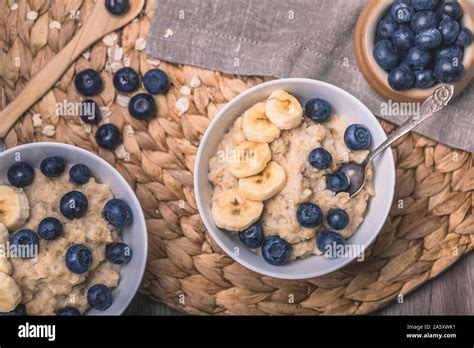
[
  {"x": 135, "y": 235},
  {"x": 345, "y": 105}
]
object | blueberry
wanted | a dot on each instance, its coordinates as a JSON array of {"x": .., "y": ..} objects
[
  {"x": 403, "y": 38},
  {"x": 156, "y": 81},
  {"x": 117, "y": 7},
  {"x": 386, "y": 28},
  {"x": 464, "y": 38},
  {"x": 99, "y": 297},
  {"x": 423, "y": 20},
  {"x": 276, "y": 251},
  {"x": 20, "y": 174},
  {"x": 79, "y": 174},
  {"x": 449, "y": 70},
  {"x": 451, "y": 9},
  {"x": 337, "y": 219},
  {"x": 449, "y": 30},
  {"x": 320, "y": 158},
  {"x": 25, "y": 241},
  {"x": 117, "y": 213},
  {"x": 20, "y": 310},
  {"x": 68, "y": 312},
  {"x": 309, "y": 215},
  {"x": 428, "y": 39},
  {"x": 450, "y": 52},
  {"x": 253, "y": 236},
  {"x": 53, "y": 167},
  {"x": 108, "y": 136},
  {"x": 402, "y": 12},
  {"x": 126, "y": 80},
  {"x": 78, "y": 258},
  {"x": 142, "y": 106},
  {"x": 337, "y": 182},
  {"x": 424, "y": 78},
  {"x": 319, "y": 110},
  {"x": 386, "y": 54},
  {"x": 88, "y": 82},
  {"x": 73, "y": 205},
  {"x": 328, "y": 242},
  {"x": 424, "y": 4},
  {"x": 89, "y": 112},
  {"x": 357, "y": 137},
  {"x": 417, "y": 59},
  {"x": 401, "y": 78},
  {"x": 50, "y": 228},
  {"x": 118, "y": 253}
]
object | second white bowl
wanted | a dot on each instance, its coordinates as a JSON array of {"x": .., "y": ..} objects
[{"x": 344, "y": 104}]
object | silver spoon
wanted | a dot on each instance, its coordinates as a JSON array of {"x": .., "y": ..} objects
[{"x": 356, "y": 172}]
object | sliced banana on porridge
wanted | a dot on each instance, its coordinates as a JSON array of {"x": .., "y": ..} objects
[
  {"x": 5, "y": 265},
  {"x": 264, "y": 185},
  {"x": 257, "y": 127},
  {"x": 249, "y": 158},
  {"x": 284, "y": 110},
  {"x": 10, "y": 293},
  {"x": 14, "y": 207},
  {"x": 232, "y": 211}
]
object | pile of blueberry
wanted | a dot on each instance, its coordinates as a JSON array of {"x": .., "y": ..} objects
[
  {"x": 276, "y": 250},
  {"x": 73, "y": 205},
  {"x": 142, "y": 106},
  {"x": 421, "y": 42}
]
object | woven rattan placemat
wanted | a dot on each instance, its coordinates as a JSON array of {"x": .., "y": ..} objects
[{"x": 430, "y": 226}]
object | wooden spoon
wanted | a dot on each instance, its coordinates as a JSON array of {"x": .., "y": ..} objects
[{"x": 100, "y": 23}]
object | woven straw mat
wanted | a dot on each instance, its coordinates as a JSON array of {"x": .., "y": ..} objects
[{"x": 430, "y": 225}]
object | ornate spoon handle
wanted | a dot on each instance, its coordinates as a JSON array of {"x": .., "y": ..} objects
[{"x": 436, "y": 102}]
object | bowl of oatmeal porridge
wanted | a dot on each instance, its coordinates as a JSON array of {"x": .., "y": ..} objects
[
  {"x": 83, "y": 227},
  {"x": 268, "y": 186}
]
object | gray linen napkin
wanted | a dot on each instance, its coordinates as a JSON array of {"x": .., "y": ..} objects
[{"x": 292, "y": 38}]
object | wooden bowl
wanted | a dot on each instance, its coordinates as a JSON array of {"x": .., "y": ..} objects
[{"x": 364, "y": 39}]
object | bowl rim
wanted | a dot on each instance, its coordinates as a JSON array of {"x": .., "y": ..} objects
[
  {"x": 132, "y": 196},
  {"x": 208, "y": 134}
]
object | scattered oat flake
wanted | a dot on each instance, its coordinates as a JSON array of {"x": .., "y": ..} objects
[
  {"x": 185, "y": 90},
  {"x": 49, "y": 131},
  {"x": 122, "y": 153},
  {"x": 55, "y": 25},
  {"x": 195, "y": 82},
  {"x": 182, "y": 105},
  {"x": 32, "y": 15},
  {"x": 118, "y": 53},
  {"x": 37, "y": 120},
  {"x": 14, "y": 6},
  {"x": 110, "y": 39},
  {"x": 140, "y": 44},
  {"x": 87, "y": 54},
  {"x": 153, "y": 61},
  {"x": 116, "y": 66},
  {"x": 123, "y": 100},
  {"x": 169, "y": 33}
]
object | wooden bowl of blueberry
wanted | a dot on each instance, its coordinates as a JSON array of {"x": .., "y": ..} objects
[{"x": 406, "y": 48}]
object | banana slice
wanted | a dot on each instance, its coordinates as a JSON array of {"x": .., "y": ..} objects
[
  {"x": 284, "y": 110},
  {"x": 257, "y": 127},
  {"x": 231, "y": 211},
  {"x": 5, "y": 265},
  {"x": 249, "y": 158},
  {"x": 265, "y": 185},
  {"x": 10, "y": 293},
  {"x": 14, "y": 207}
]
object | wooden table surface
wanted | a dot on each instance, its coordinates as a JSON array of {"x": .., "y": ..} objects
[{"x": 451, "y": 293}]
